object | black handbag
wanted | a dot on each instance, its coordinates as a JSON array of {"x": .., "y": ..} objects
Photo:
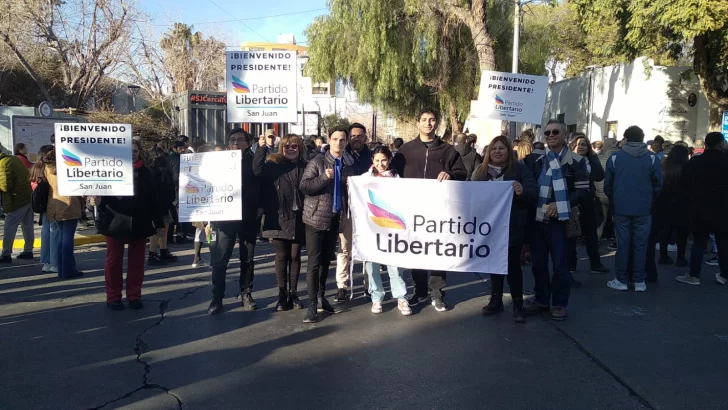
[
  {"x": 115, "y": 224},
  {"x": 573, "y": 228}
]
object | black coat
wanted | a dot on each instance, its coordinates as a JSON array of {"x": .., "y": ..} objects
[
  {"x": 362, "y": 160},
  {"x": 521, "y": 205},
  {"x": 471, "y": 159},
  {"x": 280, "y": 180},
  {"x": 415, "y": 160},
  {"x": 319, "y": 191},
  {"x": 706, "y": 186},
  {"x": 142, "y": 211},
  {"x": 174, "y": 161},
  {"x": 166, "y": 188},
  {"x": 574, "y": 172}
]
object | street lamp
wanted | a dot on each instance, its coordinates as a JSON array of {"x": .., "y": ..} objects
[{"x": 134, "y": 89}]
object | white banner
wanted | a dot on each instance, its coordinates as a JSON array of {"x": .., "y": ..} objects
[
  {"x": 209, "y": 187},
  {"x": 424, "y": 224},
  {"x": 261, "y": 86},
  {"x": 94, "y": 159},
  {"x": 512, "y": 97}
]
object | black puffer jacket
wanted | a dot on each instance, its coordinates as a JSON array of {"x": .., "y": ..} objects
[
  {"x": 415, "y": 160},
  {"x": 521, "y": 205},
  {"x": 140, "y": 214},
  {"x": 319, "y": 191},
  {"x": 280, "y": 180}
]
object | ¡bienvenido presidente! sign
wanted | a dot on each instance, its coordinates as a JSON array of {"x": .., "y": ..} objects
[
  {"x": 94, "y": 159},
  {"x": 425, "y": 224},
  {"x": 512, "y": 97},
  {"x": 261, "y": 86},
  {"x": 209, "y": 187}
]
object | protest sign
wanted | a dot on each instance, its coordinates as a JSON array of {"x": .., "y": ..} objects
[
  {"x": 261, "y": 86},
  {"x": 94, "y": 159},
  {"x": 425, "y": 224},
  {"x": 512, "y": 97},
  {"x": 209, "y": 187}
]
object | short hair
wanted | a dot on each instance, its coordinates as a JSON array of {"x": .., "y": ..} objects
[
  {"x": 699, "y": 144},
  {"x": 398, "y": 142},
  {"x": 183, "y": 138},
  {"x": 339, "y": 129},
  {"x": 461, "y": 138},
  {"x": 635, "y": 134},
  {"x": 557, "y": 121},
  {"x": 177, "y": 144},
  {"x": 321, "y": 137},
  {"x": 247, "y": 137},
  {"x": 682, "y": 143},
  {"x": 538, "y": 145},
  {"x": 471, "y": 140},
  {"x": 656, "y": 147},
  {"x": 474, "y": 137},
  {"x": 713, "y": 140},
  {"x": 356, "y": 125},
  {"x": 659, "y": 139},
  {"x": 429, "y": 110},
  {"x": 18, "y": 147},
  {"x": 597, "y": 145}
]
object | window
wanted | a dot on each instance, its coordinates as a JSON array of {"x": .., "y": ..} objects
[
  {"x": 561, "y": 117},
  {"x": 571, "y": 128},
  {"x": 319, "y": 90}
]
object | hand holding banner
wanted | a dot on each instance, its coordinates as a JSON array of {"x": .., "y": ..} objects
[{"x": 209, "y": 187}]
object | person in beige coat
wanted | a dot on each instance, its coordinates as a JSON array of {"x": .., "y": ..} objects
[{"x": 63, "y": 213}]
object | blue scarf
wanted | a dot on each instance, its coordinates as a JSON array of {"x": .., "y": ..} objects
[
  {"x": 336, "y": 203},
  {"x": 552, "y": 180}
]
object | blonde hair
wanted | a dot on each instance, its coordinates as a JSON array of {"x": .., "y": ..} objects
[
  {"x": 523, "y": 148},
  {"x": 292, "y": 139}
]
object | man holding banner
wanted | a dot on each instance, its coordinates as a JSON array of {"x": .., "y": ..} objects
[
  {"x": 428, "y": 157},
  {"x": 563, "y": 181}
]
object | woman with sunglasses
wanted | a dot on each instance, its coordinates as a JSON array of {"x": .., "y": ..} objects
[{"x": 280, "y": 177}]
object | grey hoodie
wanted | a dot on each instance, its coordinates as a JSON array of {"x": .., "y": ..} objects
[{"x": 636, "y": 149}]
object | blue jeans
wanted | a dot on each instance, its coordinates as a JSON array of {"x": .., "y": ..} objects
[
  {"x": 633, "y": 234},
  {"x": 550, "y": 239},
  {"x": 47, "y": 254},
  {"x": 62, "y": 233},
  {"x": 396, "y": 283}
]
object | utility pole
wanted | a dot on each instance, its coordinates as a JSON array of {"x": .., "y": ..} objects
[{"x": 516, "y": 52}]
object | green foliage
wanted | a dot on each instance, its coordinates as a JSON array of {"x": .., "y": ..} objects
[{"x": 332, "y": 121}]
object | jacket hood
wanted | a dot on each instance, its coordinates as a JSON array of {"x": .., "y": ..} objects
[
  {"x": 464, "y": 149},
  {"x": 636, "y": 149}
]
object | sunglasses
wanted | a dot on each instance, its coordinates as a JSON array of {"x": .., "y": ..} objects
[
  {"x": 552, "y": 132},
  {"x": 293, "y": 146}
]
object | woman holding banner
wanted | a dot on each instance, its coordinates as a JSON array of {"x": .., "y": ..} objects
[
  {"x": 129, "y": 220},
  {"x": 500, "y": 164},
  {"x": 282, "y": 202}
]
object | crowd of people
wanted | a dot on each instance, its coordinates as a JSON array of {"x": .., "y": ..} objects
[{"x": 565, "y": 189}]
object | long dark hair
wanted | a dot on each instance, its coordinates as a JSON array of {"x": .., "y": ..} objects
[
  {"x": 38, "y": 170},
  {"x": 383, "y": 149},
  {"x": 156, "y": 158},
  {"x": 510, "y": 165},
  {"x": 674, "y": 164}
]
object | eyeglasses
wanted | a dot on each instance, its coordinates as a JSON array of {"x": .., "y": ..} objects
[
  {"x": 552, "y": 132},
  {"x": 293, "y": 147}
]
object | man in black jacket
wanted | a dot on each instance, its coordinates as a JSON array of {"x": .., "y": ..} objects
[
  {"x": 362, "y": 157},
  {"x": 226, "y": 232},
  {"x": 464, "y": 145},
  {"x": 326, "y": 203},
  {"x": 428, "y": 157},
  {"x": 174, "y": 160},
  {"x": 707, "y": 188}
]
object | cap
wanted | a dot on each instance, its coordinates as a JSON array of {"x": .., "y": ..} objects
[{"x": 269, "y": 133}]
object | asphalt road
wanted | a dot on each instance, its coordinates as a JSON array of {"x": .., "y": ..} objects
[{"x": 60, "y": 348}]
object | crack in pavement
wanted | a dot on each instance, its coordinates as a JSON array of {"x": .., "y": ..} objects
[{"x": 142, "y": 347}]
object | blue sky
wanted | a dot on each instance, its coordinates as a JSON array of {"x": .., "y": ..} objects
[{"x": 207, "y": 15}]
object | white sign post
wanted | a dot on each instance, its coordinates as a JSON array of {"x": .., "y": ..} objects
[
  {"x": 94, "y": 159},
  {"x": 261, "y": 86},
  {"x": 512, "y": 97},
  {"x": 425, "y": 224},
  {"x": 209, "y": 187}
]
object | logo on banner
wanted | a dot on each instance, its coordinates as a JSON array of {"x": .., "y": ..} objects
[
  {"x": 70, "y": 159},
  {"x": 191, "y": 189},
  {"x": 382, "y": 215},
  {"x": 499, "y": 100},
  {"x": 239, "y": 86}
]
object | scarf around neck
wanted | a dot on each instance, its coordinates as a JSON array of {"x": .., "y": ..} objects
[{"x": 551, "y": 181}]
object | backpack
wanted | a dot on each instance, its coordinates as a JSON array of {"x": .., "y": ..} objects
[{"x": 39, "y": 197}]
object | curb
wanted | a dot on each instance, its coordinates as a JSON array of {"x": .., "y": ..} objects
[{"x": 78, "y": 240}]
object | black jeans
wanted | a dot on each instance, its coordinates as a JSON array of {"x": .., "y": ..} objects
[
  {"x": 588, "y": 220},
  {"x": 438, "y": 280},
  {"x": 222, "y": 249},
  {"x": 321, "y": 247},
  {"x": 515, "y": 277},
  {"x": 700, "y": 239},
  {"x": 288, "y": 264},
  {"x": 681, "y": 238}
]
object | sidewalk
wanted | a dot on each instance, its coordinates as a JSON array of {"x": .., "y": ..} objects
[{"x": 84, "y": 235}]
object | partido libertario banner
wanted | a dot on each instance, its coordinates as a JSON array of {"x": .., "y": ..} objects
[{"x": 425, "y": 224}]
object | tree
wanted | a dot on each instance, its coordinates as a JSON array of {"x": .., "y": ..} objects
[
  {"x": 86, "y": 37},
  {"x": 193, "y": 62},
  {"x": 332, "y": 121},
  {"x": 665, "y": 30}
]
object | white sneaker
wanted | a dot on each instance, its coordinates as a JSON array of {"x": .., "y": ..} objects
[
  {"x": 688, "y": 280},
  {"x": 617, "y": 285},
  {"x": 404, "y": 307},
  {"x": 46, "y": 268},
  {"x": 640, "y": 287},
  {"x": 200, "y": 263},
  {"x": 672, "y": 248},
  {"x": 720, "y": 279},
  {"x": 376, "y": 307}
]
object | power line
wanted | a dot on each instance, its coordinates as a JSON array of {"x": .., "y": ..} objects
[
  {"x": 247, "y": 26},
  {"x": 245, "y": 19}
]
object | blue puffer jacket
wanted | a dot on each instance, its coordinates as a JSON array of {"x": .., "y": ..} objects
[{"x": 633, "y": 179}]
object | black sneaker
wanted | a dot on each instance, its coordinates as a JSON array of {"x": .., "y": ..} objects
[
  {"x": 215, "y": 307},
  {"x": 25, "y": 255},
  {"x": 599, "y": 269},
  {"x": 154, "y": 260},
  {"x": 439, "y": 305},
  {"x": 136, "y": 304},
  {"x": 283, "y": 301},
  {"x": 612, "y": 246},
  {"x": 494, "y": 306},
  {"x": 6, "y": 259},
  {"x": 518, "y": 315},
  {"x": 325, "y": 306},
  {"x": 416, "y": 299},
  {"x": 165, "y": 256},
  {"x": 115, "y": 305},
  {"x": 294, "y": 301},
  {"x": 248, "y": 302},
  {"x": 311, "y": 314},
  {"x": 341, "y": 295}
]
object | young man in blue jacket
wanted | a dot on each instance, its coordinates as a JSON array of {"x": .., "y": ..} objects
[{"x": 633, "y": 179}]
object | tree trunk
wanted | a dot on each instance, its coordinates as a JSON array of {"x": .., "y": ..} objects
[
  {"x": 703, "y": 61},
  {"x": 481, "y": 38},
  {"x": 43, "y": 89},
  {"x": 452, "y": 113}
]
